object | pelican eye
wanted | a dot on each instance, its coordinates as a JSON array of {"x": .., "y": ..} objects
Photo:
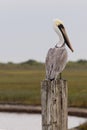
[{"x": 61, "y": 26}]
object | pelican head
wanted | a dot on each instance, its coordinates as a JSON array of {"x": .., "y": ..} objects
[{"x": 59, "y": 27}]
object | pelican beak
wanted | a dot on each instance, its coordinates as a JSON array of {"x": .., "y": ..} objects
[{"x": 66, "y": 39}]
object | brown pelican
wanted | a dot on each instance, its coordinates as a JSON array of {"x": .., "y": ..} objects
[{"x": 57, "y": 57}]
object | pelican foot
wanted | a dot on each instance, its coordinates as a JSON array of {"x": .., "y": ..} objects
[
  {"x": 60, "y": 76},
  {"x": 52, "y": 79}
]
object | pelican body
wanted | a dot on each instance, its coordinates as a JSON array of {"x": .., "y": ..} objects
[{"x": 56, "y": 58}]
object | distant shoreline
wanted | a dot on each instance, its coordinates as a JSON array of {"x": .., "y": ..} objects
[{"x": 80, "y": 112}]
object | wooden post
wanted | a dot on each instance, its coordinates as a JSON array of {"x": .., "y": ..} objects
[{"x": 54, "y": 105}]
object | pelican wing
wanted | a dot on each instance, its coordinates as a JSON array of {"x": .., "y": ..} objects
[{"x": 55, "y": 62}]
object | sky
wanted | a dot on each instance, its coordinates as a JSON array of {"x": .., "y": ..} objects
[{"x": 26, "y": 28}]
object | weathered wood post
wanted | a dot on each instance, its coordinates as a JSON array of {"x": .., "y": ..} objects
[{"x": 54, "y": 104}]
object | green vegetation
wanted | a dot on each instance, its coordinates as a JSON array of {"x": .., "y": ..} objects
[
  {"x": 20, "y": 83},
  {"x": 83, "y": 127},
  {"x": 76, "y": 74}
]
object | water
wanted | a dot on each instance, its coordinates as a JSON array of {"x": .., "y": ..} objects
[{"x": 15, "y": 121}]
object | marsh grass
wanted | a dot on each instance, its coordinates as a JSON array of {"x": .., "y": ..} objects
[
  {"x": 20, "y": 83},
  {"x": 83, "y": 127},
  {"x": 20, "y": 86}
]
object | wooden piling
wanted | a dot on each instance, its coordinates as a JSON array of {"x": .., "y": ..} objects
[{"x": 54, "y": 105}]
